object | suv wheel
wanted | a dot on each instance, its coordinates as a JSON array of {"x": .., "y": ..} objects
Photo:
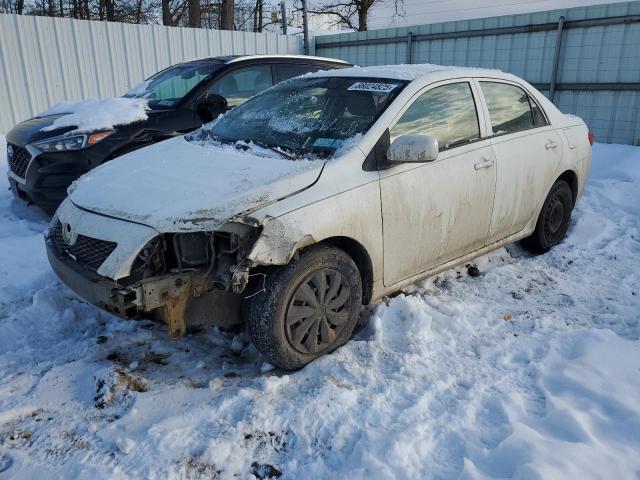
[
  {"x": 307, "y": 308},
  {"x": 553, "y": 221}
]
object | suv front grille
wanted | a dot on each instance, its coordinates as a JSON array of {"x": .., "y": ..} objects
[
  {"x": 19, "y": 161},
  {"x": 87, "y": 251}
]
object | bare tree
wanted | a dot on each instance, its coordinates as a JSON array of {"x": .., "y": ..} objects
[
  {"x": 195, "y": 18},
  {"x": 175, "y": 13},
  {"x": 226, "y": 14},
  {"x": 167, "y": 20},
  {"x": 12, "y": 6},
  {"x": 109, "y": 7},
  {"x": 257, "y": 16},
  {"x": 352, "y": 14}
]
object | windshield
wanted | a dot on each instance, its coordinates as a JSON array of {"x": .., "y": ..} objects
[
  {"x": 312, "y": 116},
  {"x": 166, "y": 88}
]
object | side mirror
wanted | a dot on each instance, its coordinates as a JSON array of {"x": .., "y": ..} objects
[
  {"x": 211, "y": 106},
  {"x": 413, "y": 149}
]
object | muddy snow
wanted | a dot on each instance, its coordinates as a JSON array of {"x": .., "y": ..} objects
[{"x": 529, "y": 370}]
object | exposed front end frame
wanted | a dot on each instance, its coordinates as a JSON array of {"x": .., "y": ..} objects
[{"x": 183, "y": 279}]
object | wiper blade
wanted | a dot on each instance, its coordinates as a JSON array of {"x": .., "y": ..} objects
[{"x": 273, "y": 148}]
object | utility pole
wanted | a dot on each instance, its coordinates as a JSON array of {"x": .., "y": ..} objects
[
  {"x": 305, "y": 27},
  {"x": 283, "y": 14}
]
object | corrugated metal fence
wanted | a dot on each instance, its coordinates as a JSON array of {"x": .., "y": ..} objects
[
  {"x": 597, "y": 57},
  {"x": 45, "y": 60}
]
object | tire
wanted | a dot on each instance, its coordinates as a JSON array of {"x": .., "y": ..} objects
[
  {"x": 293, "y": 302},
  {"x": 553, "y": 220}
]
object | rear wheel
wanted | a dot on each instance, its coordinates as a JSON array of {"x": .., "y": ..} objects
[
  {"x": 553, "y": 221},
  {"x": 308, "y": 308}
]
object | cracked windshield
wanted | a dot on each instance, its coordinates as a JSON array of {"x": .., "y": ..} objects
[{"x": 310, "y": 117}]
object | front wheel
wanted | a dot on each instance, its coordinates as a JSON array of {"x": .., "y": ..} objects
[
  {"x": 553, "y": 220},
  {"x": 307, "y": 308}
]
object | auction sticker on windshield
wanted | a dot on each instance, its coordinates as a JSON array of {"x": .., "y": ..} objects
[{"x": 373, "y": 87}]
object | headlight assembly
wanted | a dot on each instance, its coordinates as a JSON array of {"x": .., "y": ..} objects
[{"x": 67, "y": 143}]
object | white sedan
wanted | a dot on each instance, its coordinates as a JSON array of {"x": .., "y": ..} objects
[{"x": 318, "y": 196}]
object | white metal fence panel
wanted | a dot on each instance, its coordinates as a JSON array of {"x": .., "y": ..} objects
[{"x": 46, "y": 60}]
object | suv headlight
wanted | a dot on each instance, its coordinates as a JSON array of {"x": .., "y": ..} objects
[{"x": 66, "y": 143}]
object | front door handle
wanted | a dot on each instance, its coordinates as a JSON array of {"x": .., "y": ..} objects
[
  {"x": 485, "y": 163},
  {"x": 551, "y": 144}
]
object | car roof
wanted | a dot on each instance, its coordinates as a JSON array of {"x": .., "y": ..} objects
[
  {"x": 227, "y": 59},
  {"x": 303, "y": 58},
  {"x": 412, "y": 72}
]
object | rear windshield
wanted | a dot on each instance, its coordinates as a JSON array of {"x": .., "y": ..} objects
[{"x": 310, "y": 117}]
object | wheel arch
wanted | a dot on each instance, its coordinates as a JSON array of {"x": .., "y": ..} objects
[
  {"x": 571, "y": 177},
  {"x": 360, "y": 256}
]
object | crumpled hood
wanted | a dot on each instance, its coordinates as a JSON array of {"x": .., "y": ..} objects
[{"x": 177, "y": 185}]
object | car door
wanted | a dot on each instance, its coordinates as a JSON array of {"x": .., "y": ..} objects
[
  {"x": 438, "y": 211},
  {"x": 527, "y": 151}
]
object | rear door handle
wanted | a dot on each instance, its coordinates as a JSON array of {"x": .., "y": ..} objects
[
  {"x": 551, "y": 144},
  {"x": 485, "y": 163}
]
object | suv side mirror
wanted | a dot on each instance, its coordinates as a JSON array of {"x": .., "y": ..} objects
[
  {"x": 211, "y": 106},
  {"x": 413, "y": 149}
]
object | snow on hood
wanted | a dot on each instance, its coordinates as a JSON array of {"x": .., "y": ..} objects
[
  {"x": 102, "y": 114},
  {"x": 178, "y": 185}
]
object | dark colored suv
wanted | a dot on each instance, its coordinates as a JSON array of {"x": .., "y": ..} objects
[{"x": 42, "y": 164}]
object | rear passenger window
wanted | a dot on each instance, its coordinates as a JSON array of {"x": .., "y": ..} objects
[
  {"x": 238, "y": 85},
  {"x": 285, "y": 72},
  {"x": 539, "y": 120},
  {"x": 510, "y": 108},
  {"x": 447, "y": 113}
]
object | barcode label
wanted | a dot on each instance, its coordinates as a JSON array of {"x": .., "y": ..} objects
[{"x": 373, "y": 87}]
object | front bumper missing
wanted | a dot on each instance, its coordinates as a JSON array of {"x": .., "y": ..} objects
[{"x": 167, "y": 297}]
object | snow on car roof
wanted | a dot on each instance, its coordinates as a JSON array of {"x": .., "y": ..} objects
[{"x": 404, "y": 72}]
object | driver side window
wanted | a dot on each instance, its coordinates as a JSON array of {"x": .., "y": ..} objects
[
  {"x": 447, "y": 113},
  {"x": 241, "y": 84}
]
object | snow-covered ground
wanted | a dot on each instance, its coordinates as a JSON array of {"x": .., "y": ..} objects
[{"x": 531, "y": 370}]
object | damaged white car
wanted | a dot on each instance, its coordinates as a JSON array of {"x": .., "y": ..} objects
[{"x": 318, "y": 196}]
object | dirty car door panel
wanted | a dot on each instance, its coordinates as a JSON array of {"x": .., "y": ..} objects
[
  {"x": 528, "y": 152},
  {"x": 441, "y": 210}
]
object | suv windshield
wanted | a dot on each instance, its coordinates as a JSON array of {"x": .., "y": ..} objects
[
  {"x": 166, "y": 88},
  {"x": 311, "y": 116}
]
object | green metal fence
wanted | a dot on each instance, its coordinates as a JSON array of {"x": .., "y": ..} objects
[{"x": 586, "y": 59}]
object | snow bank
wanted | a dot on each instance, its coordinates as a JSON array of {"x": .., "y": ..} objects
[
  {"x": 102, "y": 114},
  {"x": 528, "y": 371}
]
